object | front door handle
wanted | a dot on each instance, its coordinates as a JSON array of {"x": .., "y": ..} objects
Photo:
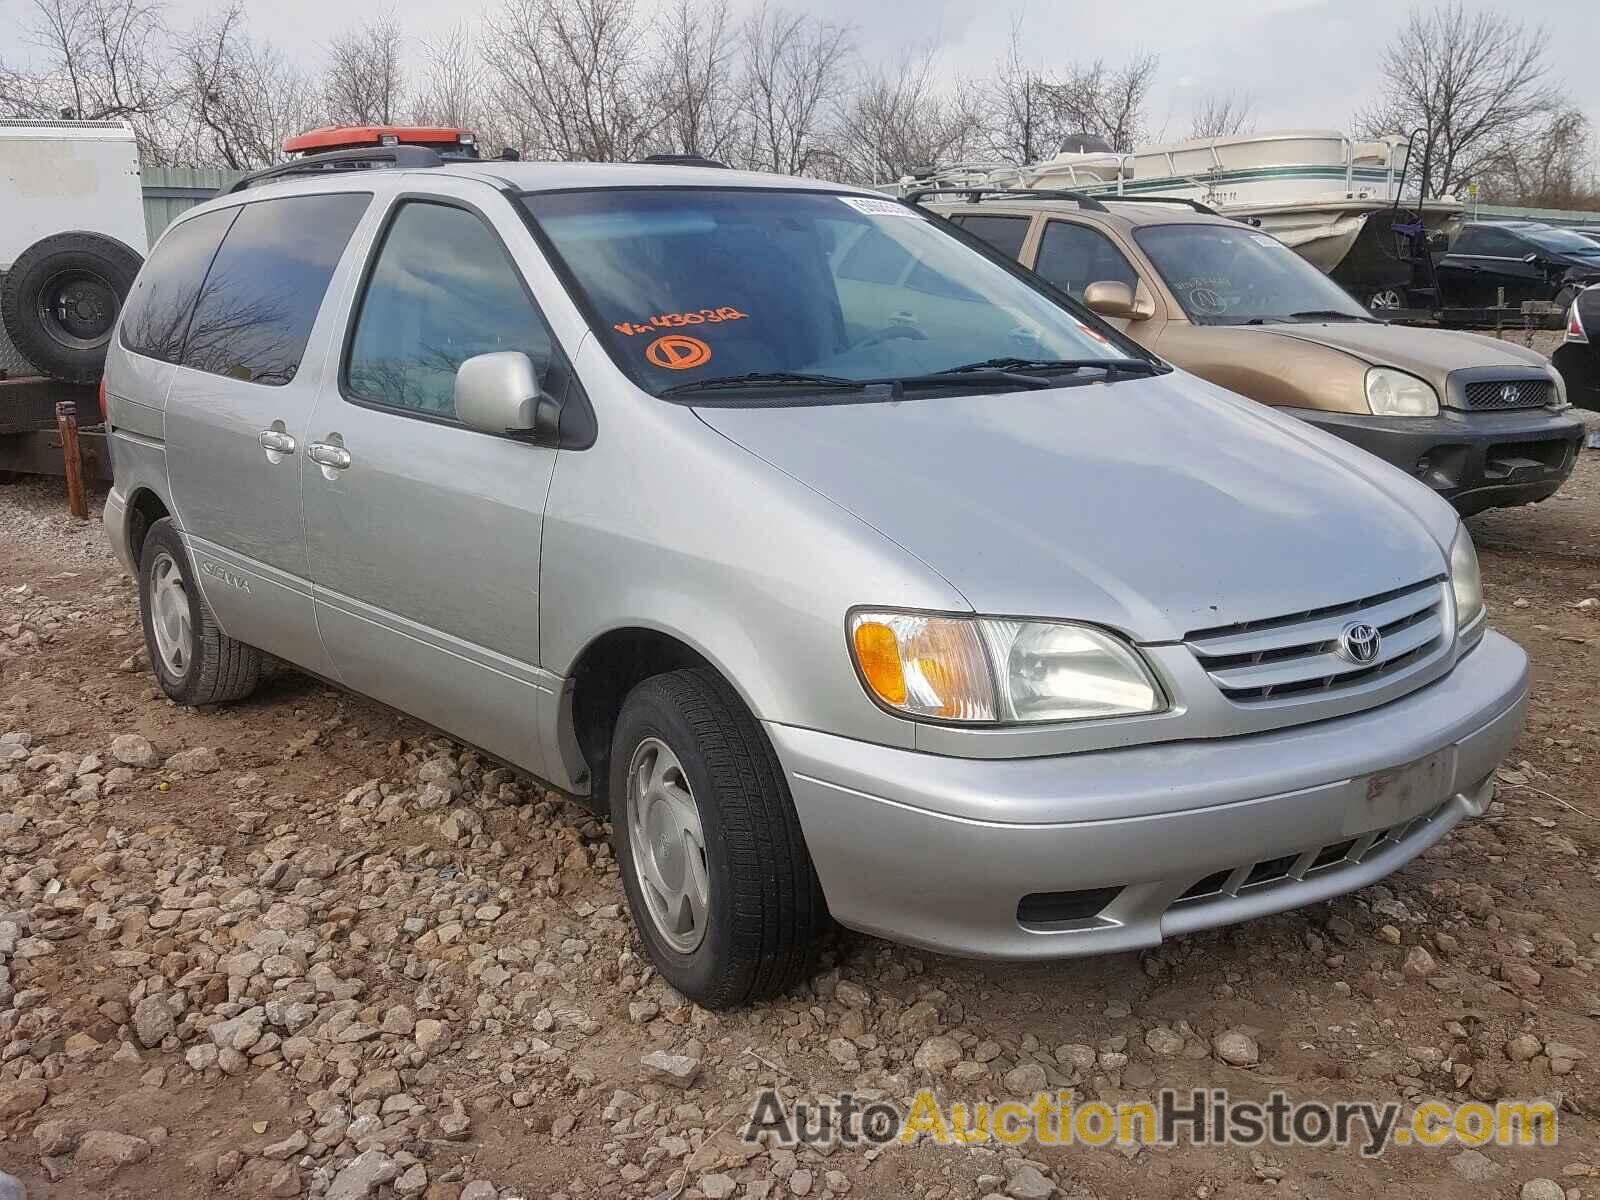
[
  {"x": 328, "y": 455},
  {"x": 276, "y": 441}
]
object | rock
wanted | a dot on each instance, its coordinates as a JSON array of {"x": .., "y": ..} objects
[
  {"x": 291, "y": 1145},
  {"x": 57, "y": 1135},
  {"x": 412, "y": 1182},
  {"x": 284, "y": 1182},
  {"x": 479, "y": 1189},
  {"x": 365, "y": 1174},
  {"x": 1025, "y": 1079},
  {"x": 1236, "y": 1048},
  {"x": 103, "y": 1148},
  {"x": 153, "y": 1021},
  {"x": 937, "y": 1055},
  {"x": 1523, "y": 1047},
  {"x": 718, "y": 1186},
  {"x": 1543, "y": 1189},
  {"x": 1419, "y": 963},
  {"x": 22, "y": 1097},
  {"x": 1520, "y": 975},
  {"x": 399, "y": 1020},
  {"x": 11, "y": 1188},
  {"x": 1028, "y": 1183},
  {"x": 132, "y": 750},
  {"x": 674, "y": 1070},
  {"x": 800, "y": 1183},
  {"x": 197, "y": 761},
  {"x": 1474, "y": 1167},
  {"x": 430, "y": 1035},
  {"x": 851, "y": 995},
  {"x": 1164, "y": 1041}
]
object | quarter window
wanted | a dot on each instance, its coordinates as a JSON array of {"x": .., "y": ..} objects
[
  {"x": 156, "y": 312},
  {"x": 441, "y": 291},
  {"x": 1073, "y": 256},
  {"x": 1005, "y": 234},
  {"x": 265, "y": 287}
]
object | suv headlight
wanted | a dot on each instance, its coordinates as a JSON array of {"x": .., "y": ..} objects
[
  {"x": 1465, "y": 580},
  {"x": 990, "y": 670},
  {"x": 1392, "y": 393}
]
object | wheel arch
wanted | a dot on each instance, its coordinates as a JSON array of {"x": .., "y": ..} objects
[{"x": 145, "y": 508}]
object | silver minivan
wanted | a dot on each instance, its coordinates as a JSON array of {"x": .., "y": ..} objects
[{"x": 855, "y": 573}]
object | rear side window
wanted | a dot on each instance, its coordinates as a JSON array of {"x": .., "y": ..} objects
[
  {"x": 1005, "y": 234},
  {"x": 266, "y": 284},
  {"x": 156, "y": 312},
  {"x": 442, "y": 290},
  {"x": 1492, "y": 243}
]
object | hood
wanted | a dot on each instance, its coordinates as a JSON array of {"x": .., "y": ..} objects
[
  {"x": 1154, "y": 507},
  {"x": 1429, "y": 353}
]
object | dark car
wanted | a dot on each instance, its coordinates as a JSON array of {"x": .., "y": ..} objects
[
  {"x": 1530, "y": 261},
  {"x": 1578, "y": 356}
]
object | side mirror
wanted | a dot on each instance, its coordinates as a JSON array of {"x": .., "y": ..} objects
[
  {"x": 1531, "y": 258},
  {"x": 1113, "y": 299},
  {"x": 501, "y": 393}
]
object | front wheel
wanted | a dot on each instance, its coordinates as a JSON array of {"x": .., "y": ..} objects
[
  {"x": 193, "y": 660},
  {"x": 712, "y": 857}
]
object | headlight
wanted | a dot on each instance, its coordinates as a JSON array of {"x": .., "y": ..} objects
[
  {"x": 1561, "y": 391},
  {"x": 977, "y": 669},
  {"x": 1392, "y": 393},
  {"x": 1465, "y": 579}
]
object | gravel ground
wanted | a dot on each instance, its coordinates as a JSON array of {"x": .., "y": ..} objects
[{"x": 304, "y": 946}]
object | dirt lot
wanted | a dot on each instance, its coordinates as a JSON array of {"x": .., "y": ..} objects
[{"x": 303, "y": 946}]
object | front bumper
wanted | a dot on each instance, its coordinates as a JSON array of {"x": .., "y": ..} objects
[
  {"x": 1475, "y": 460},
  {"x": 926, "y": 849}
]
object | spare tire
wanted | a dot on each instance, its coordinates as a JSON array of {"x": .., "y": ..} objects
[{"x": 61, "y": 298}]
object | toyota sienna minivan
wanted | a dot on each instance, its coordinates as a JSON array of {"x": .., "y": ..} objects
[{"x": 856, "y": 574}]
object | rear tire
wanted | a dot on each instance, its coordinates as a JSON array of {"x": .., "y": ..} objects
[
  {"x": 61, "y": 298},
  {"x": 763, "y": 908},
  {"x": 193, "y": 660}
]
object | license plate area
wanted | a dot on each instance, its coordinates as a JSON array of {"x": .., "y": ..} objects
[{"x": 1387, "y": 798}]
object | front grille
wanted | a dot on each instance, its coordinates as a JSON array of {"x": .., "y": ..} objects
[
  {"x": 1485, "y": 394},
  {"x": 1297, "y": 655}
]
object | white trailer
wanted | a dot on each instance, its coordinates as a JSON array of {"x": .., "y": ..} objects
[{"x": 72, "y": 237}]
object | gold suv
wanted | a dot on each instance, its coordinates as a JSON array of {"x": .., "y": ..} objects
[{"x": 1484, "y": 422}]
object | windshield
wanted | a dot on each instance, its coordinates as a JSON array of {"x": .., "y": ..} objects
[
  {"x": 1232, "y": 275},
  {"x": 699, "y": 284},
  {"x": 1562, "y": 241}
]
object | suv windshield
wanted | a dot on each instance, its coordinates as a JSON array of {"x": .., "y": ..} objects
[
  {"x": 1562, "y": 241},
  {"x": 695, "y": 285},
  {"x": 1232, "y": 275}
]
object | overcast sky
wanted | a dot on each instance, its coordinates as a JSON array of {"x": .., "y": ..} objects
[{"x": 1306, "y": 63}]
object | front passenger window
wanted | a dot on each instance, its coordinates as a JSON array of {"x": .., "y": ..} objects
[
  {"x": 1073, "y": 256},
  {"x": 442, "y": 290}
]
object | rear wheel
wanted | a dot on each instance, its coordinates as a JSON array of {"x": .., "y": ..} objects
[
  {"x": 193, "y": 660},
  {"x": 61, "y": 298},
  {"x": 1386, "y": 298},
  {"x": 712, "y": 857}
]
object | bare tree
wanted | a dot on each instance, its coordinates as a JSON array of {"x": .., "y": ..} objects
[
  {"x": 1026, "y": 114},
  {"x": 453, "y": 81},
  {"x": 364, "y": 83},
  {"x": 575, "y": 77},
  {"x": 244, "y": 98},
  {"x": 1470, "y": 81},
  {"x": 1554, "y": 167},
  {"x": 794, "y": 65},
  {"x": 97, "y": 59},
  {"x": 1223, "y": 114},
  {"x": 898, "y": 120},
  {"x": 700, "y": 89}
]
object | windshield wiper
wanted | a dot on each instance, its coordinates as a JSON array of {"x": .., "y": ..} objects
[
  {"x": 1060, "y": 366},
  {"x": 766, "y": 379}
]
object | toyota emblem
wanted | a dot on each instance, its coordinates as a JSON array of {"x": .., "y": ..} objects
[{"x": 1360, "y": 643}]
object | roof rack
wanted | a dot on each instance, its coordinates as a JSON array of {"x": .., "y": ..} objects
[
  {"x": 976, "y": 194},
  {"x": 683, "y": 160},
  {"x": 342, "y": 160},
  {"x": 1184, "y": 200}
]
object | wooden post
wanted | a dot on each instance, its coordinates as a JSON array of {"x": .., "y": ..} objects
[{"x": 72, "y": 458}]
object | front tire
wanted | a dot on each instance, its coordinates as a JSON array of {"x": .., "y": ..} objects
[
  {"x": 710, "y": 848},
  {"x": 193, "y": 660}
]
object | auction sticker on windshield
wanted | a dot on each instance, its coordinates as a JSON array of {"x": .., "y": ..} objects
[
  {"x": 677, "y": 320},
  {"x": 879, "y": 208},
  {"x": 678, "y": 352}
]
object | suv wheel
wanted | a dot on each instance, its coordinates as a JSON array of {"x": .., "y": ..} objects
[
  {"x": 710, "y": 849},
  {"x": 193, "y": 660}
]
